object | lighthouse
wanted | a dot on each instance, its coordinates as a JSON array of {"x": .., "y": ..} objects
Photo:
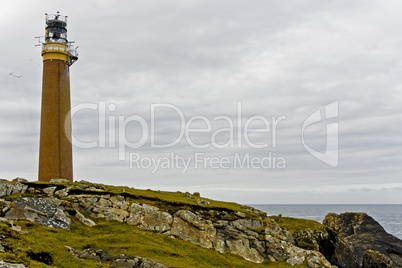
[{"x": 55, "y": 152}]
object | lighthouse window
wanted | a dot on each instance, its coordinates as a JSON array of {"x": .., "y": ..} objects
[{"x": 57, "y": 37}]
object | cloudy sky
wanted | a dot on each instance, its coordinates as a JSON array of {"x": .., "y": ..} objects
[{"x": 226, "y": 67}]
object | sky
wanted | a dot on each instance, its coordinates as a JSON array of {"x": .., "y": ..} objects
[{"x": 267, "y": 102}]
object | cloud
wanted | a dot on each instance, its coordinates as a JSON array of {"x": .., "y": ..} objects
[{"x": 278, "y": 58}]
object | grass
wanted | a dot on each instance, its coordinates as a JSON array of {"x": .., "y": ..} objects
[
  {"x": 114, "y": 237},
  {"x": 294, "y": 225},
  {"x": 166, "y": 201},
  {"x": 46, "y": 247}
]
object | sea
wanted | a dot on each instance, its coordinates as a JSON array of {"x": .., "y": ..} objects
[{"x": 389, "y": 216}]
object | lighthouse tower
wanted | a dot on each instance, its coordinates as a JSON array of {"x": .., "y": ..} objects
[{"x": 55, "y": 153}]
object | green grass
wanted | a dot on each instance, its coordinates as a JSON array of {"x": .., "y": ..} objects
[
  {"x": 166, "y": 201},
  {"x": 116, "y": 238},
  {"x": 120, "y": 238},
  {"x": 294, "y": 225}
]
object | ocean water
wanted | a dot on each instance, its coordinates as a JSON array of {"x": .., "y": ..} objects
[{"x": 389, "y": 216}]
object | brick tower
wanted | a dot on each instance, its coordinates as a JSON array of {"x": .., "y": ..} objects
[{"x": 55, "y": 153}]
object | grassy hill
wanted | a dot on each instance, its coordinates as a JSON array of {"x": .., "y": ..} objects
[{"x": 36, "y": 245}]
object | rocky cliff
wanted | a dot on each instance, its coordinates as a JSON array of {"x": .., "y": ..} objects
[
  {"x": 360, "y": 241},
  {"x": 219, "y": 226},
  {"x": 144, "y": 221}
]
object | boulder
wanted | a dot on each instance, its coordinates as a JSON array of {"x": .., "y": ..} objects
[
  {"x": 243, "y": 248},
  {"x": 88, "y": 222},
  {"x": 240, "y": 214},
  {"x": 119, "y": 202},
  {"x": 4, "y": 206},
  {"x": 122, "y": 260},
  {"x": 102, "y": 206},
  {"x": 355, "y": 234},
  {"x": 188, "y": 195},
  {"x": 230, "y": 238},
  {"x": 273, "y": 230},
  {"x": 18, "y": 179},
  {"x": 50, "y": 190},
  {"x": 203, "y": 202},
  {"x": 45, "y": 211},
  {"x": 60, "y": 181},
  {"x": 7, "y": 188},
  {"x": 298, "y": 256},
  {"x": 149, "y": 217},
  {"x": 62, "y": 193},
  {"x": 191, "y": 227},
  {"x": 11, "y": 265},
  {"x": 245, "y": 224},
  {"x": 153, "y": 219}
]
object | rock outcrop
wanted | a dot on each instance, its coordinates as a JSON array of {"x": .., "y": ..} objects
[
  {"x": 7, "y": 188},
  {"x": 358, "y": 237},
  {"x": 84, "y": 220},
  {"x": 121, "y": 260},
  {"x": 11, "y": 265},
  {"x": 374, "y": 259},
  {"x": 45, "y": 211},
  {"x": 149, "y": 217},
  {"x": 235, "y": 236},
  {"x": 191, "y": 227},
  {"x": 247, "y": 233}
]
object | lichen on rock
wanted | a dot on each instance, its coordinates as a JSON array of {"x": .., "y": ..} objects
[
  {"x": 45, "y": 211},
  {"x": 358, "y": 232}
]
